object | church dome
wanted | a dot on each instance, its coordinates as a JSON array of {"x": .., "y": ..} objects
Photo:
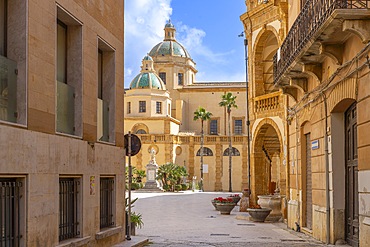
[
  {"x": 147, "y": 80},
  {"x": 147, "y": 77},
  {"x": 169, "y": 46}
]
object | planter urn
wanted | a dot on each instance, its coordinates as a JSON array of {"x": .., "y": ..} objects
[
  {"x": 225, "y": 208},
  {"x": 258, "y": 214}
]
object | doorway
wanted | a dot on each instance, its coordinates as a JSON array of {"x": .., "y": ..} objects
[{"x": 351, "y": 166}]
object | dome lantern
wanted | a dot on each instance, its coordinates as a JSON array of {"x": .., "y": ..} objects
[
  {"x": 147, "y": 78},
  {"x": 169, "y": 31}
]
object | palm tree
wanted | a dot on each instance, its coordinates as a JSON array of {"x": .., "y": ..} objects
[
  {"x": 203, "y": 115},
  {"x": 228, "y": 101}
]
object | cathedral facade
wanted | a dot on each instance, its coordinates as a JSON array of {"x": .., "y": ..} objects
[{"x": 160, "y": 106}]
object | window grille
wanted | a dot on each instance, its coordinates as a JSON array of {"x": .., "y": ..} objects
[
  {"x": 68, "y": 211},
  {"x": 234, "y": 152},
  {"x": 206, "y": 152},
  {"x": 10, "y": 207},
  {"x": 106, "y": 202}
]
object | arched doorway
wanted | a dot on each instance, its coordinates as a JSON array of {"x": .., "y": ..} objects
[
  {"x": 345, "y": 171},
  {"x": 267, "y": 173}
]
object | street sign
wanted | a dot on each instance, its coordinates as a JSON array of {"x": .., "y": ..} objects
[
  {"x": 315, "y": 144},
  {"x": 135, "y": 144}
]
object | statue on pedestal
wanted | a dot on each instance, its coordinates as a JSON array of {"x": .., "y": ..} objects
[{"x": 151, "y": 173}]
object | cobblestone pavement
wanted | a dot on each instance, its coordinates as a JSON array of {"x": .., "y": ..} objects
[{"x": 189, "y": 219}]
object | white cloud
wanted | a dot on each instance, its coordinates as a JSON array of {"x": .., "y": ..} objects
[
  {"x": 192, "y": 39},
  {"x": 144, "y": 22}
]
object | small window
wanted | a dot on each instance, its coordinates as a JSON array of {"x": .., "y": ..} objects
[
  {"x": 10, "y": 212},
  {"x": 234, "y": 152},
  {"x": 238, "y": 126},
  {"x": 213, "y": 127},
  {"x": 180, "y": 79},
  {"x": 106, "y": 202},
  {"x": 128, "y": 107},
  {"x": 206, "y": 152},
  {"x": 142, "y": 106},
  {"x": 162, "y": 75},
  {"x": 158, "y": 107},
  {"x": 68, "y": 208}
]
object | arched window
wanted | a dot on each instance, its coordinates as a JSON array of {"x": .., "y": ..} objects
[
  {"x": 206, "y": 152},
  {"x": 234, "y": 152},
  {"x": 141, "y": 131},
  {"x": 140, "y": 128}
]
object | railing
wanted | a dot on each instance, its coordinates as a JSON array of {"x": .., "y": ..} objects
[
  {"x": 308, "y": 22},
  {"x": 65, "y": 108},
  {"x": 10, "y": 212},
  {"x": 267, "y": 102},
  {"x": 103, "y": 120},
  {"x": 8, "y": 90}
]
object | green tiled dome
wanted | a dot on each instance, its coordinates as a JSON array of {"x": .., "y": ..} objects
[
  {"x": 147, "y": 80},
  {"x": 172, "y": 48}
]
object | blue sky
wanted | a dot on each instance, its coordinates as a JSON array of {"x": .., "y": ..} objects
[{"x": 208, "y": 29}]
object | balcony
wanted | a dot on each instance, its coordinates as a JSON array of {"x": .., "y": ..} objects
[
  {"x": 320, "y": 22},
  {"x": 268, "y": 104},
  {"x": 65, "y": 108},
  {"x": 8, "y": 90},
  {"x": 103, "y": 120}
]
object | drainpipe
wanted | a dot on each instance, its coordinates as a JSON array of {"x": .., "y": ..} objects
[
  {"x": 327, "y": 192},
  {"x": 298, "y": 228}
]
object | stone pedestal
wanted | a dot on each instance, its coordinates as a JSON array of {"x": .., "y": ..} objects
[
  {"x": 244, "y": 201},
  {"x": 151, "y": 183},
  {"x": 151, "y": 173}
]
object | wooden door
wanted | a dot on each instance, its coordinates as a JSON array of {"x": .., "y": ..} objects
[{"x": 352, "y": 219}]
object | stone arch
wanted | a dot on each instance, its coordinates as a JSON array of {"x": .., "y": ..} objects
[
  {"x": 266, "y": 161},
  {"x": 140, "y": 126},
  {"x": 266, "y": 44}
]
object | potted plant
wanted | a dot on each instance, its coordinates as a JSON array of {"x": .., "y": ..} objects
[
  {"x": 235, "y": 198},
  {"x": 136, "y": 218},
  {"x": 258, "y": 214},
  {"x": 136, "y": 222},
  {"x": 224, "y": 205}
]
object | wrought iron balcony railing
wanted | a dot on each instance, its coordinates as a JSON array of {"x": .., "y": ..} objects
[{"x": 313, "y": 15}]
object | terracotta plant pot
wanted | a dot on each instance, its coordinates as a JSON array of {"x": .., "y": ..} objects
[
  {"x": 258, "y": 214},
  {"x": 225, "y": 208}
]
